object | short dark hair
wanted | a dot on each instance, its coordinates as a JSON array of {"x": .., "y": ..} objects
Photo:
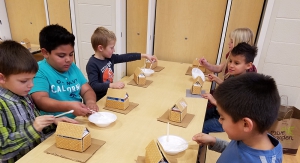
[
  {"x": 16, "y": 59},
  {"x": 55, "y": 35},
  {"x": 250, "y": 95},
  {"x": 248, "y": 51}
]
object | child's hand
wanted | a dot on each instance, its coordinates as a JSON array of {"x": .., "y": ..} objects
[
  {"x": 65, "y": 119},
  {"x": 209, "y": 97},
  {"x": 92, "y": 106},
  {"x": 42, "y": 121},
  {"x": 79, "y": 108},
  {"x": 117, "y": 85},
  {"x": 213, "y": 77},
  {"x": 203, "y": 62},
  {"x": 202, "y": 138},
  {"x": 149, "y": 57}
]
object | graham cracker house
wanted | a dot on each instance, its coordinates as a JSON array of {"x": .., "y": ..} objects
[
  {"x": 196, "y": 64},
  {"x": 178, "y": 111},
  {"x": 72, "y": 137},
  {"x": 197, "y": 85},
  {"x": 117, "y": 99},
  {"x": 148, "y": 64},
  {"x": 153, "y": 154},
  {"x": 139, "y": 77}
]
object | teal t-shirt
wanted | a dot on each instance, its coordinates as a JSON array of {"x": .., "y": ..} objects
[{"x": 64, "y": 86}]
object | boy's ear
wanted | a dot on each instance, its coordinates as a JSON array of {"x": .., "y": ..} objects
[
  {"x": 248, "y": 124},
  {"x": 249, "y": 65},
  {"x": 45, "y": 53},
  {"x": 100, "y": 48},
  {"x": 2, "y": 78}
]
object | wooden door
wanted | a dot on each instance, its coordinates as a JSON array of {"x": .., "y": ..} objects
[
  {"x": 26, "y": 19},
  {"x": 189, "y": 29},
  {"x": 137, "y": 15},
  {"x": 59, "y": 13},
  {"x": 245, "y": 13}
]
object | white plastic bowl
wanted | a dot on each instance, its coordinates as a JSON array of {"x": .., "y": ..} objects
[
  {"x": 197, "y": 72},
  {"x": 102, "y": 119},
  {"x": 147, "y": 71},
  {"x": 175, "y": 144}
]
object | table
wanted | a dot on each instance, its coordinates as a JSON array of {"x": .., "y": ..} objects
[{"x": 127, "y": 138}]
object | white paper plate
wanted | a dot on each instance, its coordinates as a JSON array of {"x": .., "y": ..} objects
[
  {"x": 197, "y": 72},
  {"x": 147, "y": 71},
  {"x": 102, "y": 119},
  {"x": 175, "y": 144}
]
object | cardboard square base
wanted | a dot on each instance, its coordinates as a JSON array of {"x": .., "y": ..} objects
[
  {"x": 130, "y": 107},
  {"x": 184, "y": 123},
  {"x": 76, "y": 156},
  {"x": 148, "y": 82},
  {"x": 158, "y": 68},
  {"x": 189, "y": 94}
]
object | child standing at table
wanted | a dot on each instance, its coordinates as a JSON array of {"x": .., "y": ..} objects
[
  {"x": 248, "y": 106},
  {"x": 21, "y": 126},
  {"x": 59, "y": 85},
  {"x": 100, "y": 67},
  {"x": 240, "y": 60}
]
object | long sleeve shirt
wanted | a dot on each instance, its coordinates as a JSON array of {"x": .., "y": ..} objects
[
  {"x": 101, "y": 72},
  {"x": 18, "y": 136}
]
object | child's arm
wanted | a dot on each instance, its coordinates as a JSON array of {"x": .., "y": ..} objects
[
  {"x": 213, "y": 143},
  {"x": 149, "y": 57},
  {"x": 211, "y": 99},
  {"x": 210, "y": 67},
  {"x": 132, "y": 57},
  {"x": 89, "y": 97},
  {"x": 213, "y": 77}
]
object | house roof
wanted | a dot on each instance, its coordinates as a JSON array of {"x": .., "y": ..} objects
[
  {"x": 70, "y": 130},
  {"x": 181, "y": 104},
  {"x": 117, "y": 93}
]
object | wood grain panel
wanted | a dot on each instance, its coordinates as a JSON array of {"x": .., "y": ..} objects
[
  {"x": 26, "y": 19},
  {"x": 137, "y": 15},
  {"x": 243, "y": 14},
  {"x": 188, "y": 29},
  {"x": 59, "y": 13}
]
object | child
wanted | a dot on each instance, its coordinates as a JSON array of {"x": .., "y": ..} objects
[
  {"x": 240, "y": 60},
  {"x": 59, "y": 85},
  {"x": 248, "y": 106},
  {"x": 237, "y": 36},
  {"x": 21, "y": 126},
  {"x": 100, "y": 67}
]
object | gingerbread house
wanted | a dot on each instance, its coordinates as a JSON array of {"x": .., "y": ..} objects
[
  {"x": 117, "y": 99},
  {"x": 197, "y": 85},
  {"x": 73, "y": 137},
  {"x": 154, "y": 154},
  {"x": 196, "y": 64},
  {"x": 148, "y": 64},
  {"x": 178, "y": 111},
  {"x": 139, "y": 77}
]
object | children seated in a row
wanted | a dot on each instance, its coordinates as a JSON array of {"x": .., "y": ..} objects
[
  {"x": 100, "y": 67},
  {"x": 59, "y": 85},
  {"x": 22, "y": 128},
  {"x": 240, "y": 60},
  {"x": 248, "y": 106}
]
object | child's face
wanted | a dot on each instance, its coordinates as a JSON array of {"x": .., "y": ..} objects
[
  {"x": 233, "y": 130},
  {"x": 19, "y": 84},
  {"x": 61, "y": 58},
  {"x": 230, "y": 44},
  {"x": 237, "y": 65},
  {"x": 109, "y": 50}
]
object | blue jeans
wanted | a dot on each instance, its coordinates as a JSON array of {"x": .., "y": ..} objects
[{"x": 211, "y": 121}]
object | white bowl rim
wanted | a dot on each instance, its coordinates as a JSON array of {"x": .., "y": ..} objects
[
  {"x": 199, "y": 73},
  {"x": 184, "y": 142},
  {"x": 112, "y": 116}
]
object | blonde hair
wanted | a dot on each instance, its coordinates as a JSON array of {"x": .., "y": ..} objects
[
  {"x": 242, "y": 35},
  {"x": 102, "y": 36}
]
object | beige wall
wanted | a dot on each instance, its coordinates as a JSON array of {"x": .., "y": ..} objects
[{"x": 280, "y": 55}]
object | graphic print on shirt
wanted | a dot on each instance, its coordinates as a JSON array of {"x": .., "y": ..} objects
[
  {"x": 108, "y": 74},
  {"x": 70, "y": 86}
]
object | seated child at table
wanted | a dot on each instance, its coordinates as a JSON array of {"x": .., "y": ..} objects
[
  {"x": 248, "y": 106},
  {"x": 100, "y": 67},
  {"x": 240, "y": 60},
  {"x": 59, "y": 85},
  {"x": 22, "y": 128}
]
